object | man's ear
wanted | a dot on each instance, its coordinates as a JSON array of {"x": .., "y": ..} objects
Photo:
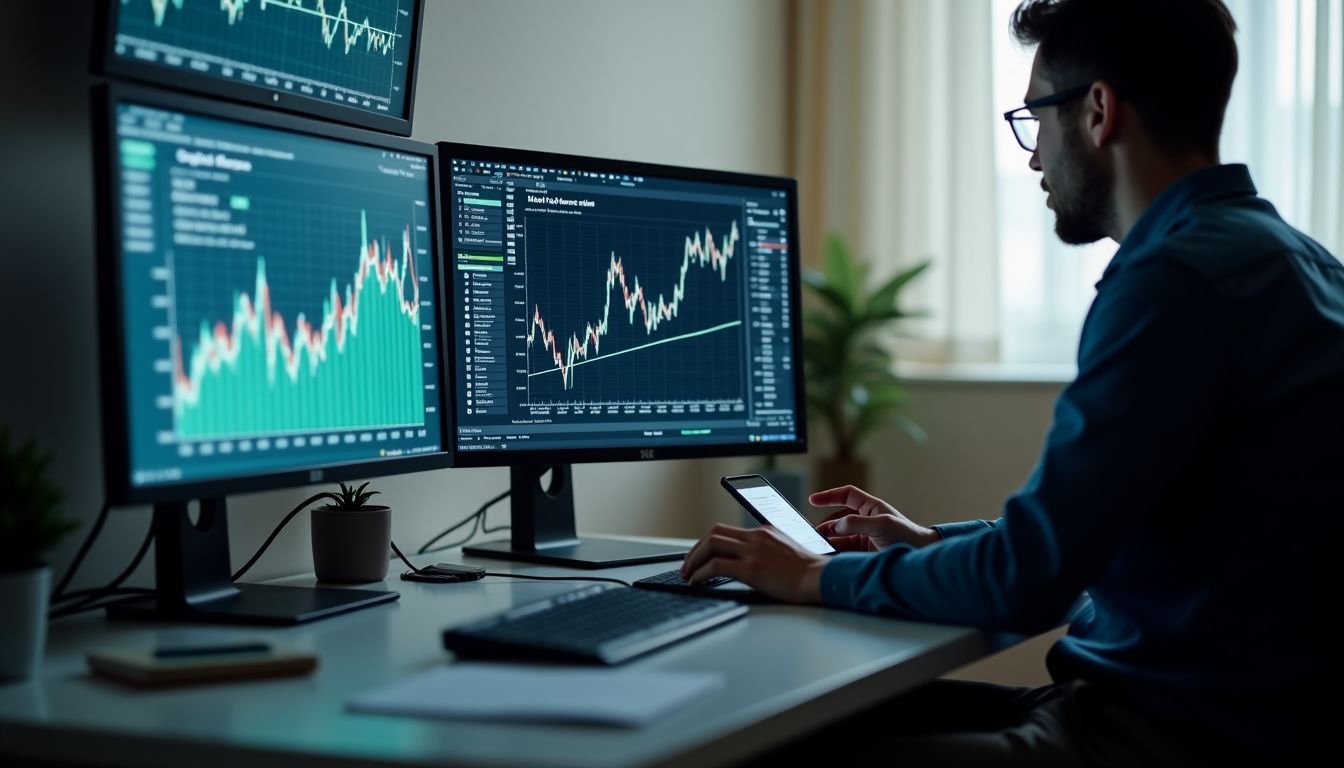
[{"x": 1101, "y": 114}]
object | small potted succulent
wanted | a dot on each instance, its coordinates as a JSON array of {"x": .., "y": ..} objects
[
  {"x": 30, "y": 525},
  {"x": 351, "y": 537}
]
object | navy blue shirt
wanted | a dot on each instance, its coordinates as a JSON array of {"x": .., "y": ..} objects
[{"x": 1192, "y": 483}]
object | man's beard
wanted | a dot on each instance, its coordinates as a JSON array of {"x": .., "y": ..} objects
[{"x": 1080, "y": 194}]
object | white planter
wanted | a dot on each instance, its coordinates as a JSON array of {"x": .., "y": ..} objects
[{"x": 23, "y": 621}]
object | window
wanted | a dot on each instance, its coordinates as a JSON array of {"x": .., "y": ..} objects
[{"x": 1284, "y": 121}]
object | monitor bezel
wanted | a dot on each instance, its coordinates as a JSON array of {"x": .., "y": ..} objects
[
  {"x": 112, "y": 347},
  {"x": 106, "y": 62},
  {"x": 492, "y": 458}
]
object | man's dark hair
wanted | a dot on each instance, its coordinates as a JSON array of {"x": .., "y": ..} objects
[{"x": 1173, "y": 60}]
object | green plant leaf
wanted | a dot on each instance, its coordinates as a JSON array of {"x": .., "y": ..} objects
[
  {"x": 834, "y": 299},
  {"x": 851, "y": 386},
  {"x": 841, "y": 273},
  {"x": 885, "y": 297},
  {"x": 30, "y": 521},
  {"x": 350, "y": 497}
]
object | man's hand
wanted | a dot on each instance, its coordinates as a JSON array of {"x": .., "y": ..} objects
[
  {"x": 867, "y": 523},
  {"x": 762, "y": 558}
]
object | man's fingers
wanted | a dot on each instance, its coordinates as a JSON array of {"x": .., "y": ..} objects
[
  {"x": 846, "y": 496},
  {"x": 712, "y": 546},
  {"x": 719, "y": 566},
  {"x": 829, "y": 497},
  {"x": 851, "y": 543},
  {"x": 837, "y": 514},
  {"x": 720, "y": 530},
  {"x": 720, "y": 556},
  {"x": 851, "y": 525}
]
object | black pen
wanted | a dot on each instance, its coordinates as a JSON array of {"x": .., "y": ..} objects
[{"x": 211, "y": 650}]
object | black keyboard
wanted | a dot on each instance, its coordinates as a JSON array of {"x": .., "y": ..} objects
[
  {"x": 673, "y": 578},
  {"x": 603, "y": 624}
]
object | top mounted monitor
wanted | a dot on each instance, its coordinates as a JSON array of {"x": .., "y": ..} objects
[{"x": 352, "y": 61}]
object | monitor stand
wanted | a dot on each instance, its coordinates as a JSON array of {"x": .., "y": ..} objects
[
  {"x": 543, "y": 528},
  {"x": 191, "y": 569}
]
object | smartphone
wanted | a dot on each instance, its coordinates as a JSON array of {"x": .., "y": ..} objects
[
  {"x": 765, "y": 503},
  {"x": 445, "y": 573}
]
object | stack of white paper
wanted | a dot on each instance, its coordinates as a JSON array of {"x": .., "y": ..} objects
[{"x": 624, "y": 697}]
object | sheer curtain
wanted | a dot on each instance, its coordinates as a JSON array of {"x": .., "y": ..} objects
[
  {"x": 1284, "y": 122},
  {"x": 898, "y": 145},
  {"x": 1286, "y": 118},
  {"x": 892, "y": 146}
]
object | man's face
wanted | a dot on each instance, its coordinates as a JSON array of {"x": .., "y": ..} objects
[{"x": 1077, "y": 183}]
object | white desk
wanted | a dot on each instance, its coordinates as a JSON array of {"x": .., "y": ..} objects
[{"x": 787, "y": 670}]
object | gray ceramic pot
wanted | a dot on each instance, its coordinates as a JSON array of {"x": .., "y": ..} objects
[
  {"x": 23, "y": 621},
  {"x": 351, "y": 545}
]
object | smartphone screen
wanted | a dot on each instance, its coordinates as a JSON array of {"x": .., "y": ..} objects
[{"x": 770, "y": 508}]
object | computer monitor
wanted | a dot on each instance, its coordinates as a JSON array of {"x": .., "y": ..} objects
[
  {"x": 353, "y": 61},
  {"x": 614, "y": 311},
  {"x": 270, "y": 316}
]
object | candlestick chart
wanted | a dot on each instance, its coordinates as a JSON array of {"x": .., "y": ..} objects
[{"x": 620, "y": 313}]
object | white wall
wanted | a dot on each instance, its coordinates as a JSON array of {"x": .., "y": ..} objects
[{"x": 696, "y": 82}]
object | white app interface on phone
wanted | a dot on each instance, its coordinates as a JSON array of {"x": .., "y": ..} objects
[{"x": 786, "y": 519}]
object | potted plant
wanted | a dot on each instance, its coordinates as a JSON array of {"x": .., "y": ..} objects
[
  {"x": 851, "y": 387},
  {"x": 351, "y": 537},
  {"x": 30, "y": 525}
]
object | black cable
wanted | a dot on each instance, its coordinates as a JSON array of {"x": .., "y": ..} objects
[
  {"x": 471, "y": 534},
  {"x": 474, "y": 520},
  {"x": 83, "y": 550},
  {"x": 99, "y": 591},
  {"x": 486, "y": 529},
  {"x": 477, "y": 516},
  {"x": 519, "y": 575},
  {"x": 87, "y": 603},
  {"x": 93, "y": 605},
  {"x": 403, "y": 557},
  {"x": 559, "y": 578},
  {"x": 302, "y": 506}
]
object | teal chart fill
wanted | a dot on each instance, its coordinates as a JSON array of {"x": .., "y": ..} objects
[
  {"x": 278, "y": 298},
  {"x": 348, "y": 52},
  {"x": 288, "y": 374}
]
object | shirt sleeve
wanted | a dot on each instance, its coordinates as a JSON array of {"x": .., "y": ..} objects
[
  {"x": 948, "y": 530},
  {"x": 1149, "y": 370}
]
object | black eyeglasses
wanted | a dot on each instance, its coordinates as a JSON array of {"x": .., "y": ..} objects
[{"x": 1026, "y": 126}]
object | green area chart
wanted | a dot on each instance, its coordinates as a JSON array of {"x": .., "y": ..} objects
[{"x": 359, "y": 366}]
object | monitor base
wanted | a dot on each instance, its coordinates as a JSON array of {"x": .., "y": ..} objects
[
  {"x": 581, "y": 553},
  {"x": 264, "y": 604}
]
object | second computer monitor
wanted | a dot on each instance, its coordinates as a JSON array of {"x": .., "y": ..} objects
[{"x": 614, "y": 311}]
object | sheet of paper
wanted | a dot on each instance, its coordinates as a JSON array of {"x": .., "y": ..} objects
[{"x": 624, "y": 697}]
